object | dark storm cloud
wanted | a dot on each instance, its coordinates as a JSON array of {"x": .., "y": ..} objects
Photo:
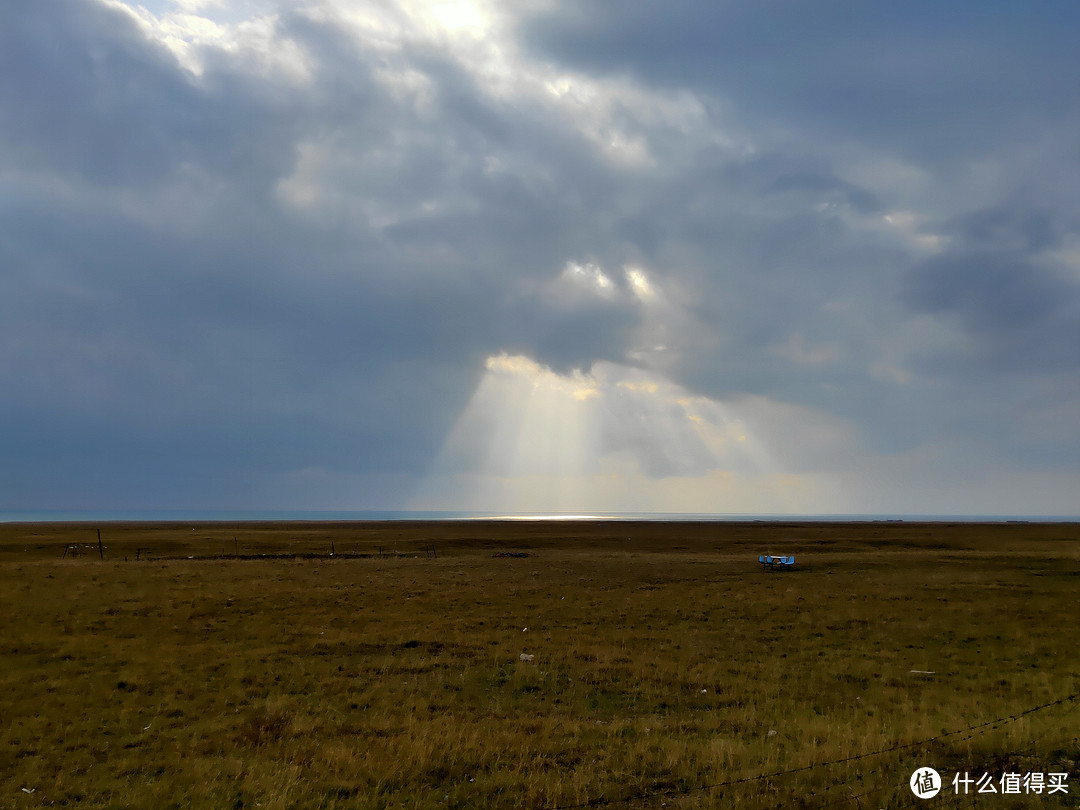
[
  {"x": 773, "y": 242},
  {"x": 62, "y": 64},
  {"x": 1017, "y": 227},
  {"x": 566, "y": 337},
  {"x": 990, "y": 293},
  {"x": 214, "y": 283},
  {"x": 1002, "y": 284},
  {"x": 765, "y": 247},
  {"x": 164, "y": 313},
  {"x": 926, "y": 79},
  {"x": 84, "y": 92}
]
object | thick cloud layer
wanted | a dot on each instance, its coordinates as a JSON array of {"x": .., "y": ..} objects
[{"x": 257, "y": 256}]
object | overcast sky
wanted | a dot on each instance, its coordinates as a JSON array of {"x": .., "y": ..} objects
[{"x": 557, "y": 255}]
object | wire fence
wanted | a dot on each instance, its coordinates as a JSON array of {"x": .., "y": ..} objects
[{"x": 970, "y": 731}]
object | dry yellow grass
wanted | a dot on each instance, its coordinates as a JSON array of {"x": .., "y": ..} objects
[{"x": 664, "y": 657}]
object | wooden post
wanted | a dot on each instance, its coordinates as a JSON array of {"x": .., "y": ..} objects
[
  {"x": 100, "y": 551},
  {"x": 236, "y": 548},
  {"x": 331, "y": 548}
]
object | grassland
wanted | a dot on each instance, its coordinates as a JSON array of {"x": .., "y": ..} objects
[{"x": 241, "y": 666}]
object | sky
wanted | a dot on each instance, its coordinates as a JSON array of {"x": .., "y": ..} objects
[{"x": 549, "y": 255}]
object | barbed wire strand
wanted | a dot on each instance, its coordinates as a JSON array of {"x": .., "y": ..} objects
[
  {"x": 1040, "y": 738},
  {"x": 978, "y": 728},
  {"x": 1030, "y": 753}
]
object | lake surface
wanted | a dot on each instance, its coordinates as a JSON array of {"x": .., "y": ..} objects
[{"x": 234, "y": 516}]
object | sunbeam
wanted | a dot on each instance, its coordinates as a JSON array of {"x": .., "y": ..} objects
[{"x": 614, "y": 439}]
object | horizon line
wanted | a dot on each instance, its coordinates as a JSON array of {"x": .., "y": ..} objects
[{"x": 402, "y": 515}]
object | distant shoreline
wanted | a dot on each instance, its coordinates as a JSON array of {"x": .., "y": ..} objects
[{"x": 396, "y": 516}]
